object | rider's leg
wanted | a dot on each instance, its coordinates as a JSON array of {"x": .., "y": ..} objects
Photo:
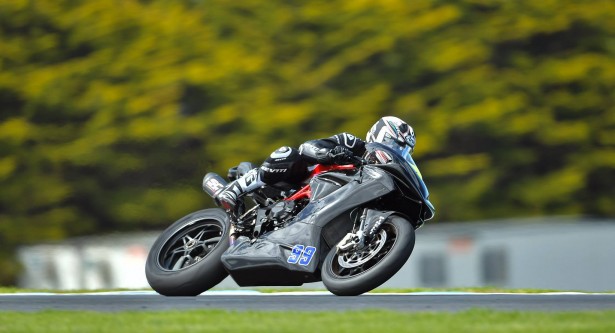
[{"x": 230, "y": 195}]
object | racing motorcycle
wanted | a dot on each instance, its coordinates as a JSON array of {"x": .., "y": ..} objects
[{"x": 350, "y": 226}]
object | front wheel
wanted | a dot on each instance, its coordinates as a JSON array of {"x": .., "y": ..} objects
[
  {"x": 354, "y": 272},
  {"x": 185, "y": 259}
]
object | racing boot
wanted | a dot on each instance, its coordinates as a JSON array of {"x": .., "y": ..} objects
[{"x": 228, "y": 198}]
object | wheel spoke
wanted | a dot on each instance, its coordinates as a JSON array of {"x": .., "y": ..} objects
[
  {"x": 180, "y": 263},
  {"x": 213, "y": 240},
  {"x": 208, "y": 243},
  {"x": 199, "y": 235},
  {"x": 190, "y": 245},
  {"x": 356, "y": 270},
  {"x": 178, "y": 250}
]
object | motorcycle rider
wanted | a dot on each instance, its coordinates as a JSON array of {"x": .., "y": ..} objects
[{"x": 290, "y": 165}]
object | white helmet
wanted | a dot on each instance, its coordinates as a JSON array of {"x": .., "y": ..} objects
[{"x": 392, "y": 130}]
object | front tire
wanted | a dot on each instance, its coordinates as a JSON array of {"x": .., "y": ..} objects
[
  {"x": 185, "y": 259},
  {"x": 353, "y": 273}
]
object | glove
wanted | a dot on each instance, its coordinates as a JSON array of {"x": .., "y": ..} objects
[{"x": 341, "y": 155}]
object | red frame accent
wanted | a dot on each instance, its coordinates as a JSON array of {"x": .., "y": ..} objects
[{"x": 306, "y": 191}]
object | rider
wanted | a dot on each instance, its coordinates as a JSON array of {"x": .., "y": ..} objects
[{"x": 289, "y": 165}]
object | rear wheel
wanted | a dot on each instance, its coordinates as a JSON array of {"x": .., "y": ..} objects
[
  {"x": 185, "y": 259},
  {"x": 354, "y": 272}
]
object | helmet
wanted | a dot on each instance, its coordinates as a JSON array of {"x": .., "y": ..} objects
[{"x": 392, "y": 131}]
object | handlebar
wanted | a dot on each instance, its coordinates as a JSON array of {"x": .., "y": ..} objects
[{"x": 358, "y": 161}]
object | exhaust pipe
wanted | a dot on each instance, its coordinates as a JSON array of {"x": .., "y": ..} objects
[{"x": 213, "y": 183}]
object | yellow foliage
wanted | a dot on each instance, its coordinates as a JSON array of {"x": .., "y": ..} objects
[
  {"x": 448, "y": 54},
  {"x": 456, "y": 165},
  {"x": 7, "y": 166},
  {"x": 15, "y": 129},
  {"x": 565, "y": 132},
  {"x": 555, "y": 187}
]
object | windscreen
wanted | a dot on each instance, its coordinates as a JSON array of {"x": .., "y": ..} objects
[{"x": 401, "y": 155}]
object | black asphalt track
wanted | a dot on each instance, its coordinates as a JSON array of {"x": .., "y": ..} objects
[{"x": 309, "y": 302}]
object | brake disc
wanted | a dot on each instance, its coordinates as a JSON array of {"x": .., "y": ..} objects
[{"x": 357, "y": 258}]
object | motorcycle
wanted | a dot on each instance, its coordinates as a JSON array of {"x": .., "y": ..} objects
[{"x": 350, "y": 226}]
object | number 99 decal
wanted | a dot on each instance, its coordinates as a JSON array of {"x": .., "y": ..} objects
[{"x": 301, "y": 255}]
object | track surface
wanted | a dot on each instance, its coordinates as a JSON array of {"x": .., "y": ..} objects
[{"x": 309, "y": 302}]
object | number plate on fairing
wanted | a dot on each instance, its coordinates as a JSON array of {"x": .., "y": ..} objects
[{"x": 301, "y": 255}]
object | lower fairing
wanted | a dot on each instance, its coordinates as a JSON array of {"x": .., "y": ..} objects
[{"x": 289, "y": 256}]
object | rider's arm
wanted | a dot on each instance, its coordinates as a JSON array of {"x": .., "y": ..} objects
[{"x": 318, "y": 151}]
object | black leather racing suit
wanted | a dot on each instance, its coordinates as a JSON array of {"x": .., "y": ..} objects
[
  {"x": 292, "y": 166},
  {"x": 288, "y": 165}
]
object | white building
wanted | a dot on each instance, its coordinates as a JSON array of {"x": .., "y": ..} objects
[
  {"x": 105, "y": 262},
  {"x": 554, "y": 253},
  {"x": 550, "y": 253}
]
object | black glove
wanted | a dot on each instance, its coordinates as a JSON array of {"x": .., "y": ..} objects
[{"x": 341, "y": 155}]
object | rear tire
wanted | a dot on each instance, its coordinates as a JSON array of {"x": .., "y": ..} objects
[
  {"x": 185, "y": 259},
  {"x": 351, "y": 274}
]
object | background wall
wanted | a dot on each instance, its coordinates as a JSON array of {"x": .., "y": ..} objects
[{"x": 554, "y": 253}]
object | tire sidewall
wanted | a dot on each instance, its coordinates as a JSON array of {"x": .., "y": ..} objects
[
  {"x": 380, "y": 272},
  {"x": 199, "y": 277}
]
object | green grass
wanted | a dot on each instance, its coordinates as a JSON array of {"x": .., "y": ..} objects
[{"x": 332, "y": 321}]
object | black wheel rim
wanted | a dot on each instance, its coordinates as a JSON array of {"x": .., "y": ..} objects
[
  {"x": 190, "y": 245},
  {"x": 352, "y": 263}
]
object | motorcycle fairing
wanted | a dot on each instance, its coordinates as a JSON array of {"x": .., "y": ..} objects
[
  {"x": 368, "y": 185},
  {"x": 373, "y": 221},
  {"x": 266, "y": 260},
  {"x": 406, "y": 169}
]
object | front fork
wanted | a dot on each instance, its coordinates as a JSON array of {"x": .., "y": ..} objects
[{"x": 354, "y": 240}]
